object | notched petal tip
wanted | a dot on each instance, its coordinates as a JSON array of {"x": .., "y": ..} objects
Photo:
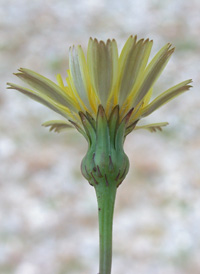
[
  {"x": 170, "y": 51},
  {"x": 133, "y": 37},
  {"x": 23, "y": 70},
  {"x": 188, "y": 82},
  {"x": 57, "y": 125},
  {"x": 12, "y": 86},
  {"x": 9, "y": 85},
  {"x": 168, "y": 45},
  {"x": 153, "y": 127}
]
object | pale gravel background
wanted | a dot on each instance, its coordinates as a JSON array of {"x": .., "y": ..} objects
[{"x": 48, "y": 221}]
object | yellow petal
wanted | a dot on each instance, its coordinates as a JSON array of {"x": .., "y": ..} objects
[
  {"x": 46, "y": 87},
  {"x": 43, "y": 99},
  {"x": 73, "y": 91},
  {"x": 147, "y": 97},
  {"x": 153, "y": 127},
  {"x": 57, "y": 125},
  {"x": 102, "y": 66},
  {"x": 165, "y": 97},
  {"x": 78, "y": 74},
  {"x": 152, "y": 72},
  {"x": 60, "y": 81},
  {"x": 132, "y": 67}
]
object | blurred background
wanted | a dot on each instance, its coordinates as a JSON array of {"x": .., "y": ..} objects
[{"x": 48, "y": 212}]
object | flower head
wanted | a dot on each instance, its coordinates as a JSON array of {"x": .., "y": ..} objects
[
  {"x": 104, "y": 78},
  {"x": 105, "y": 97}
]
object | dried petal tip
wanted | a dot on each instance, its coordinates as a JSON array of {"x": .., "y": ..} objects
[
  {"x": 153, "y": 127},
  {"x": 82, "y": 116},
  {"x": 101, "y": 111},
  {"x": 115, "y": 113},
  {"x": 57, "y": 125},
  {"x": 128, "y": 115}
]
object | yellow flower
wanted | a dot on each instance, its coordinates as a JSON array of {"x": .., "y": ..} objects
[
  {"x": 106, "y": 79},
  {"x": 105, "y": 97}
]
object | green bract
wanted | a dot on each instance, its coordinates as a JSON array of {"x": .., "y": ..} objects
[{"x": 105, "y": 160}]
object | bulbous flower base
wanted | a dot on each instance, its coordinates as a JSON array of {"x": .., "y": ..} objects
[
  {"x": 105, "y": 168},
  {"x": 105, "y": 160}
]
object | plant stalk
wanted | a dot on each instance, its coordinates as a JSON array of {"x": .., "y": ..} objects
[{"x": 106, "y": 194}]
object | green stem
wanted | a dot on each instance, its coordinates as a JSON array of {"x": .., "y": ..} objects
[{"x": 106, "y": 193}]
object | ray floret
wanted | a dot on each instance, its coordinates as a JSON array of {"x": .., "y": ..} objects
[{"x": 104, "y": 77}]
